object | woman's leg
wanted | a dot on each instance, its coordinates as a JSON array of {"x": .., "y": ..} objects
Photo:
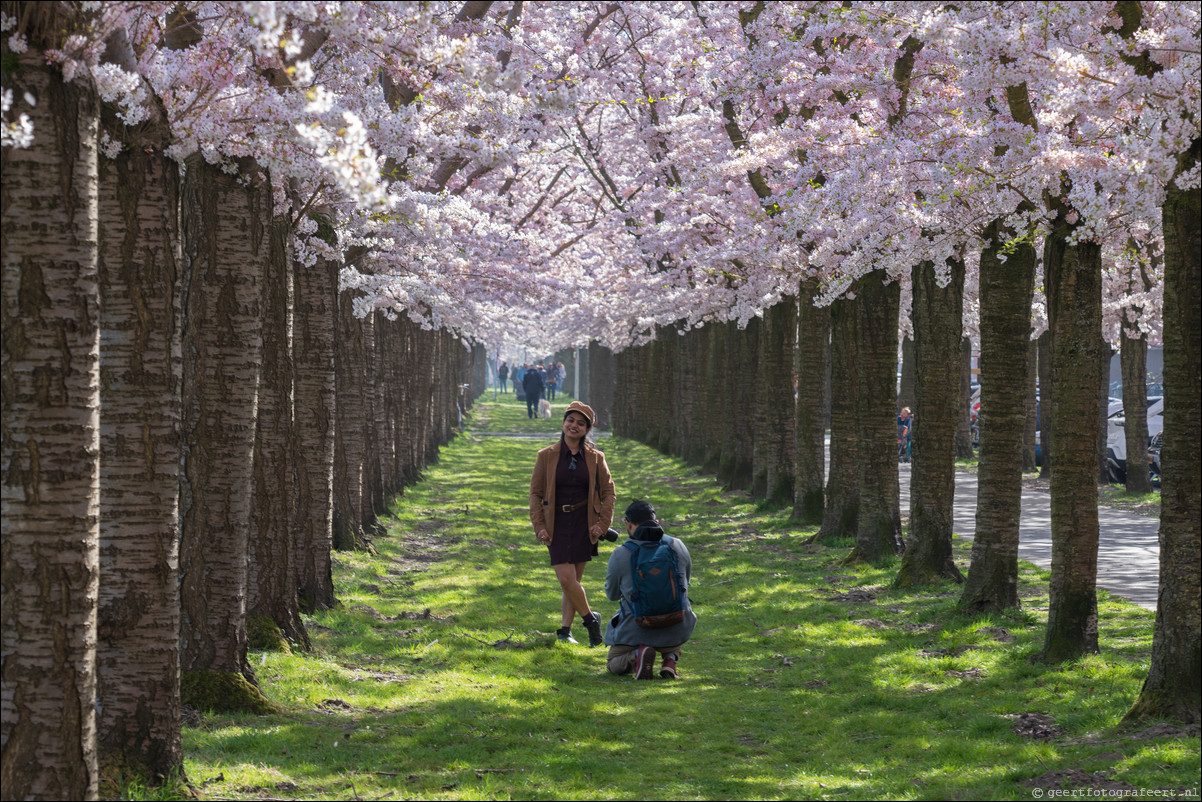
[{"x": 574, "y": 597}]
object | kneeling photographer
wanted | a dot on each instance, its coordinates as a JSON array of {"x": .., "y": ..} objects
[{"x": 650, "y": 575}]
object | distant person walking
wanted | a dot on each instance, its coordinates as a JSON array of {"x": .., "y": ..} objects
[
  {"x": 571, "y": 506},
  {"x": 503, "y": 376},
  {"x": 532, "y": 383}
]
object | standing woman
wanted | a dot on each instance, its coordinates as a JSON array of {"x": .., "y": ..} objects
[{"x": 571, "y": 507}]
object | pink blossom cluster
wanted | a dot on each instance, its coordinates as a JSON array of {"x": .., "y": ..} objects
[{"x": 550, "y": 173}]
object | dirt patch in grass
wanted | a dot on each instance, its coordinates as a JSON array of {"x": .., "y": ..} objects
[
  {"x": 997, "y": 633},
  {"x": 855, "y": 596},
  {"x": 1039, "y": 726},
  {"x": 1074, "y": 779},
  {"x": 953, "y": 652},
  {"x": 971, "y": 673},
  {"x": 920, "y": 627}
]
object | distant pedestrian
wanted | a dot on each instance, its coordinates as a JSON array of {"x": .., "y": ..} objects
[
  {"x": 562, "y": 374},
  {"x": 503, "y": 376},
  {"x": 532, "y": 383}
]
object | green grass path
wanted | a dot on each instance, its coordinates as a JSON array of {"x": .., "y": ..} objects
[{"x": 439, "y": 676}]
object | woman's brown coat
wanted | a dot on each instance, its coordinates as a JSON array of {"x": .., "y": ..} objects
[{"x": 601, "y": 496}]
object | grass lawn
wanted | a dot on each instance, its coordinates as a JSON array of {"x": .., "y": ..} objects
[{"x": 439, "y": 677}]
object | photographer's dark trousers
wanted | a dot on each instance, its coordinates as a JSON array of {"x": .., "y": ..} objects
[{"x": 532, "y": 404}]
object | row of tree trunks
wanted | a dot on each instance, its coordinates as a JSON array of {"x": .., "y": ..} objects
[
  {"x": 708, "y": 397},
  {"x": 140, "y": 313},
  {"x": 395, "y": 400}
]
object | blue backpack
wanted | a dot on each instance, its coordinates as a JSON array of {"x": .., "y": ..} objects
[{"x": 659, "y": 597}]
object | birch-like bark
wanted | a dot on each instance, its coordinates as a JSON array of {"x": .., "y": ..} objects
[
  {"x": 137, "y": 652},
  {"x": 50, "y": 439}
]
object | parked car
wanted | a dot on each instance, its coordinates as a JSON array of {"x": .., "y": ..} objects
[{"x": 1116, "y": 440}]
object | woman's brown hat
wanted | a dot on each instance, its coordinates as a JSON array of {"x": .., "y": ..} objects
[{"x": 583, "y": 409}]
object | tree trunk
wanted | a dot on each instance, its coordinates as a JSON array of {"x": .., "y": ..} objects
[
  {"x": 964, "y": 449},
  {"x": 1045, "y": 395},
  {"x": 841, "y": 513},
  {"x": 1173, "y": 688},
  {"x": 1106, "y": 354},
  {"x": 715, "y": 401},
  {"x": 1029, "y": 406},
  {"x": 50, "y": 440},
  {"x": 1073, "y": 280},
  {"x": 313, "y": 353},
  {"x": 603, "y": 379},
  {"x": 937, "y": 314},
  {"x": 226, "y": 248},
  {"x": 878, "y": 533},
  {"x": 1005, "y": 293},
  {"x": 689, "y": 394},
  {"x": 742, "y": 376},
  {"x": 813, "y": 363},
  {"x": 137, "y": 651},
  {"x": 907, "y": 392},
  {"x": 730, "y": 466},
  {"x": 349, "y": 432},
  {"x": 371, "y": 452},
  {"x": 775, "y": 446},
  {"x": 273, "y": 613},
  {"x": 1133, "y": 357}
]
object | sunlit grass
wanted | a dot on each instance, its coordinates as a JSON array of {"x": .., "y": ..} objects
[{"x": 788, "y": 690}]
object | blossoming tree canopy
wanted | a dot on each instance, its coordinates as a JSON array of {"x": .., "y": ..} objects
[{"x": 551, "y": 173}]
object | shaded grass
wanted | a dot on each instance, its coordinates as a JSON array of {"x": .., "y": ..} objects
[{"x": 439, "y": 676}]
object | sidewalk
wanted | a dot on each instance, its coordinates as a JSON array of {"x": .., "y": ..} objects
[{"x": 1128, "y": 546}]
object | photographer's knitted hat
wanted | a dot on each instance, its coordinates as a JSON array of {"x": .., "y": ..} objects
[{"x": 639, "y": 512}]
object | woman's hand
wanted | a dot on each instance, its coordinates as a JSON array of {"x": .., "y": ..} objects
[
  {"x": 543, "y": 537},
  {"x": 595, "y": 532}
]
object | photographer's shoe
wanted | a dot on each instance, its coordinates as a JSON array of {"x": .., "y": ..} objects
[
  {"x": 668, "y": 669},
  {"x": 644, "y": 662},
  {"x": 593, "y": 625},
  {"x": 565, "y": 635}
]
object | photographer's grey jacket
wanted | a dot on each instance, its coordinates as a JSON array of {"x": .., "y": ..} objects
[{"x": 623, "y": 630}]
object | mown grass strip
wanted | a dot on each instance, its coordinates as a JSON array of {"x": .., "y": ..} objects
[{"x": 439, "y": 676}]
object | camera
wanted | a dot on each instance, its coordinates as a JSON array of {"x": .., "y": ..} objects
[{"x": 611, "y": 535}]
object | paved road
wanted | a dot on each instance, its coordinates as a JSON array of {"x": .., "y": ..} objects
[{"x": 1128, "y": 547}]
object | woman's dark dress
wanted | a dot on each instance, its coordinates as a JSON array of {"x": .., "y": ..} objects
[{"x": 570, "y": 542}]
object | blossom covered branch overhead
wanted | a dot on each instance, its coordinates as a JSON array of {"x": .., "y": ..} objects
[{"x": 550, "y": 173}]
